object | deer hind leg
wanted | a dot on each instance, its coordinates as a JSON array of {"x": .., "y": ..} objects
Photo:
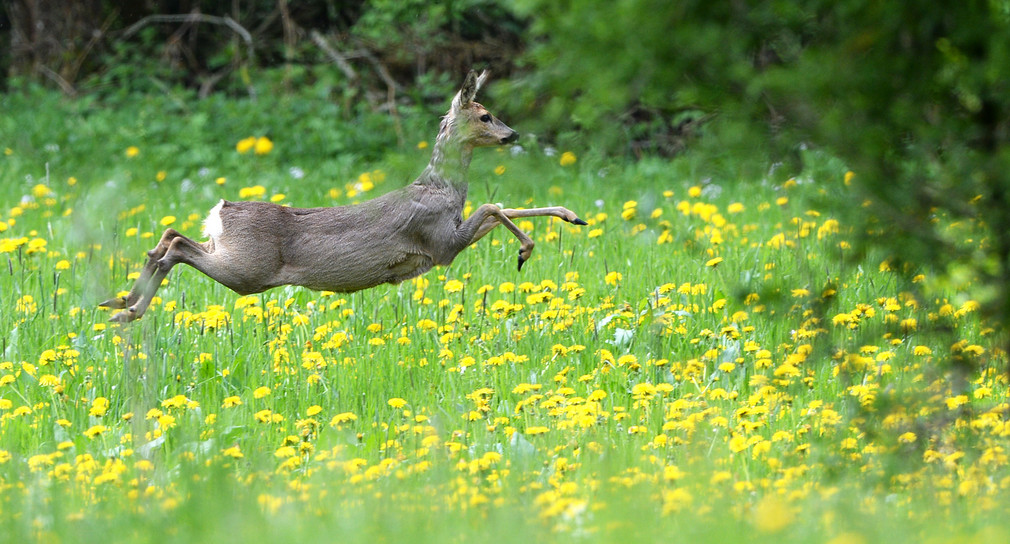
[
  {"x": 492, "y": 220},
  {"x": 139, "y": 286},
  {"x": 171, "y": 250}
]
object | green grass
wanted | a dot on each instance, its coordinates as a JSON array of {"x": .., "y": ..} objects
[{"x": 709, "y": 360}]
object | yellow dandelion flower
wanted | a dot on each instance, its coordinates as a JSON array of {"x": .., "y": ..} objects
[
  {"x": 284, "y": 452},
  {"x": 41, "y": 191},
  {"x": 345, "y": 417},
  {"x": 720, "y": 476},
  {"x": 567, "y": 158},
  {"x": 99, "y": 407},
  {"x": 233, "y": 452},
  {"x": 524, "y": 388},
  {"x": 132, "y": 151},
  {"x": 256, "y": 191},
  {"x": 263, "y": 145},
  {"x": 21, "y": 411},
  {"x": 427, "y": 325},
  {"x": 629, "y": 360},
  {"x": 974, "y": 349},
  {"x": 737, "y": 444},
  {"x": 261, "y": 392},
  {"x": 956, "y": 401},
  {"x": 396, "y": 402},
  {"x": 830, "y": 417},
  {"x": 245, "y": 144},
  {"x": 772, "y": 514},
  {"x": 96, "y": 430}
]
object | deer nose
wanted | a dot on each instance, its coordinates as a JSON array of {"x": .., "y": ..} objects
[{"x": 510, "y": 138}]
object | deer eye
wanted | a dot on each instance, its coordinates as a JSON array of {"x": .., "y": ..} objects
[{"x": 486, "y": 118}]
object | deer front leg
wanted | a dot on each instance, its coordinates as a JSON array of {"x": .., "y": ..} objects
[
  {"x": 493, "y": 220},
  {"x": 487, "y": 212},
  {"x": 554, "y": 211},
  {"x": 146, "y": 274},
  {"x": 489, "y": 216}
]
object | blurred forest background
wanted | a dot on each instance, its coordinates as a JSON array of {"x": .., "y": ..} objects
[{"x": 914, "y": 97}]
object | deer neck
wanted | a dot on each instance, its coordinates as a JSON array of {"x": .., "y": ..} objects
[{"x": 450, "y": 161}]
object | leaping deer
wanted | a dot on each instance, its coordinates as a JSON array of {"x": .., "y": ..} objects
[{"x": 254, "y": 246}]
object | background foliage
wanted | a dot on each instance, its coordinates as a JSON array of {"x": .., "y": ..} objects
[{"x": 913, "y": 98}]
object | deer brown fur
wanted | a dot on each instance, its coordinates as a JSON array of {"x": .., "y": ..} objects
[{"x": 253, "y": 246}]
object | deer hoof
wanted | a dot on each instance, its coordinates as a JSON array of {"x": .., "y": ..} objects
[
  {"x": 578, "y": 221},
  {"x": 117, "y": 303},
  {"x": 524, "y": 255}
]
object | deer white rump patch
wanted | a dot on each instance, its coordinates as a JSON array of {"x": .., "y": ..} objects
[{"x": 212, "y": 226}]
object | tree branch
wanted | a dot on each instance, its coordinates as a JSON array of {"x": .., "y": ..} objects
[{"x": 197, "y": 17}]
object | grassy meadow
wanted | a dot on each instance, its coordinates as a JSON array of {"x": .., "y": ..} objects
[{"x": 710, "y": 359}]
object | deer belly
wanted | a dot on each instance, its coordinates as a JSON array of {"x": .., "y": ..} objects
[
  {"x": 410, "y": 266},
  {"x": 355, "y": 275}
]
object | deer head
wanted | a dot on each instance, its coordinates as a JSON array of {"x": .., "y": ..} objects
[{"x": 474, "y": 125}]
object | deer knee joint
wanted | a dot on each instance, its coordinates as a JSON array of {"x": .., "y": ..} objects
[
  {"x": 164, "y": 264},
  {"x": 489, "y": 209}
]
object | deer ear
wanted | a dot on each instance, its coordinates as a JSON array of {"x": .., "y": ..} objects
[
  {"x": 481, "y": 79},
  {"x": 469, "y": 89}
]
